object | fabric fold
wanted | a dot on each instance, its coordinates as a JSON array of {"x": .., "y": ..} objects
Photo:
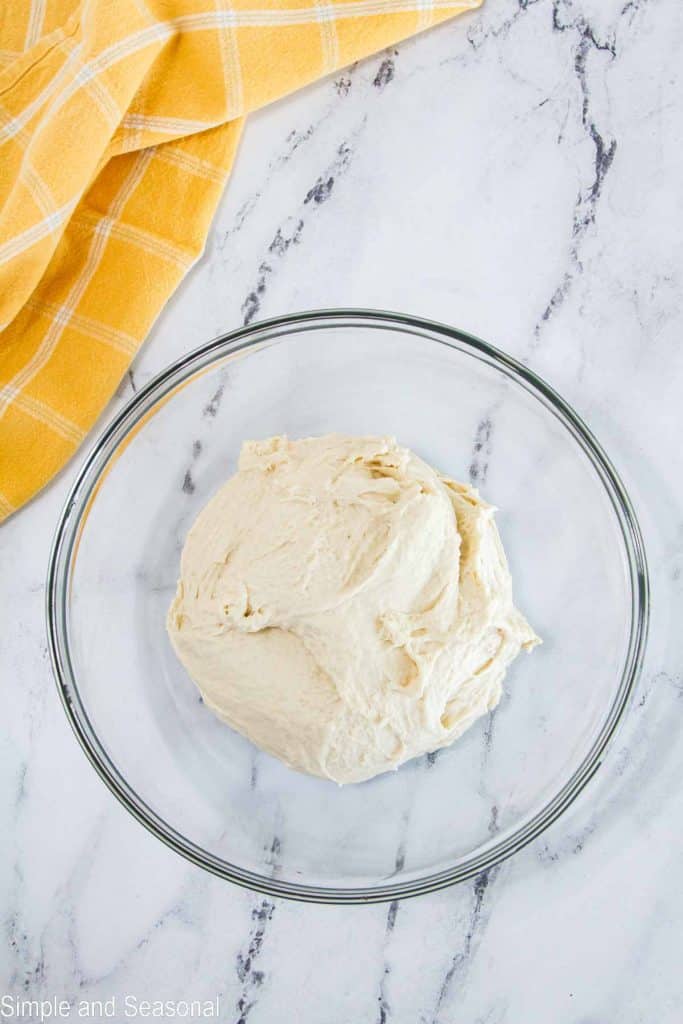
[{"x": 119, "y": 123}]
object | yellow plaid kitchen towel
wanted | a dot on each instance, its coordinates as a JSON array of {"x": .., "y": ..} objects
[{"x": 119, "y": 121}]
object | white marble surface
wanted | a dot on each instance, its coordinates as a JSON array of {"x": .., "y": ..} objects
[{"x": 517, "y": 173}]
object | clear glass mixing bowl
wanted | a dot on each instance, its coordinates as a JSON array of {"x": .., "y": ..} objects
[{"x": 577, "y": 563}]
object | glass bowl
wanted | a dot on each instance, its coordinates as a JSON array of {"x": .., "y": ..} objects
[{"x": 577, "y": 563}]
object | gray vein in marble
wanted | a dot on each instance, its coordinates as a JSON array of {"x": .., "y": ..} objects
[
  {"x": 188, "y": 486},
  {"x": 320, "y": 193},
  {"x": 253, "y": 777},
  {"x": 587, "y": 44},
  {"x": 571, "y": 844},
  {"x": 290, "y": 232},
  {"x": 213, "y": 405},
  {"x": 480, "y": 32},
  {"x": 295, "y": 140},
  {"x": 342, "y": 85},
  {"x": 127, "y": 383},
  {"x": 633, "y": 7},
  {"x": 605, "y": 146},
  {"x": 479, "y": 466},
  {"x": 28, "y": 974},
  {"x": 20, "y": 788},
  {"x": 386, "y": 71},
  {"x": 250, "y": 977},
  {"x": 476, "y": 922},
  {"x": 384, "y": 1007},
  {"x": 487, "y": 734},
  {"x": 628, "y": 763}
]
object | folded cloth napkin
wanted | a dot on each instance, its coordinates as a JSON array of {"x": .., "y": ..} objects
[{"x": 119, "y": 121}]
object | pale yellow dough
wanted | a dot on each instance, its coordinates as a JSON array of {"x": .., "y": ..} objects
[{"x": 345, "y": 606}]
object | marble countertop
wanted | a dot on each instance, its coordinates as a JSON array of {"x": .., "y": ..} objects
[{"x": 517, "y": 173}]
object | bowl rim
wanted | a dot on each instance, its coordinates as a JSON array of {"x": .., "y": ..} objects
[{"x": 130, "y": 416}]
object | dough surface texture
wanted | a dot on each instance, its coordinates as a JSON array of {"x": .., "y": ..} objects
[{"x": 345, "y": 606}]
